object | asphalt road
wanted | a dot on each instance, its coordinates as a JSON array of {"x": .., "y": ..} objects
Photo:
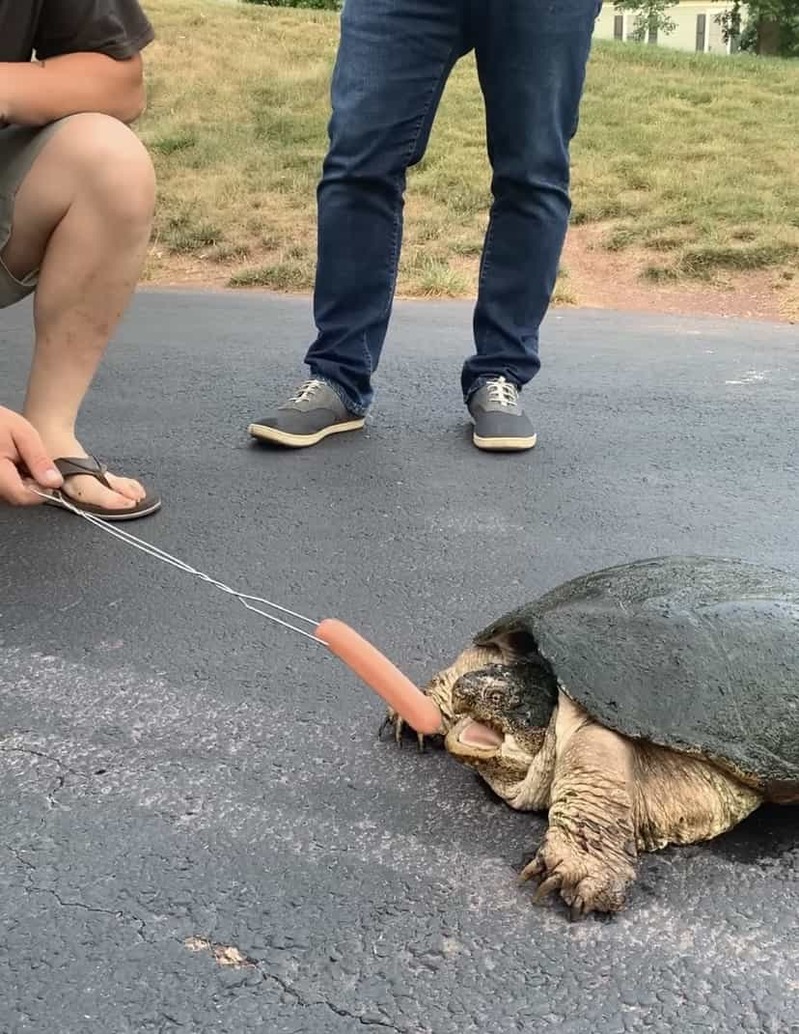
[{"x": 175, "y": 771}]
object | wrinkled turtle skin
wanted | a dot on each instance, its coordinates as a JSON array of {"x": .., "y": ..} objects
[
  {"x": 697, "y": 654},
  {"x": 647, "y": 704}
]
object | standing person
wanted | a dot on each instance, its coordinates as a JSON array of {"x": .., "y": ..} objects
[
  {"x": 393, "y": 61},
  {"x": 77, "y": 193}
]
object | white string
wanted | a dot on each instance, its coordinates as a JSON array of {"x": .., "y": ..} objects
[{"x": 245, "y": 599}]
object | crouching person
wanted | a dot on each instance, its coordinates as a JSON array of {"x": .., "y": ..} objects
[{"x": 77, "y": 193}]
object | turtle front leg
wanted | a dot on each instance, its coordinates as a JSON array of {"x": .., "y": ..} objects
[{"x": 589, "y": 850}]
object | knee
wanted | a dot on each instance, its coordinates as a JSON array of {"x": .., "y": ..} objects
[
  {"x": 532, "y": 178},
  {"x": 358, "y": 156},
  {"x": 112, "y": 169},
  {"x": 365, "y": 141}
]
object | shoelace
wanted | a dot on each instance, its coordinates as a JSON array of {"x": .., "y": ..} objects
[
  {"x": 306, "y": 391},
  {"x": 502, "y": 392}
]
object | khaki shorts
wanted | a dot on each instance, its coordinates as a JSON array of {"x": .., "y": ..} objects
[{"x": 19, "y": 148}]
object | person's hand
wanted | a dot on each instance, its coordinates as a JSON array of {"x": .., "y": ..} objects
[{"x": 23, "y": 461}]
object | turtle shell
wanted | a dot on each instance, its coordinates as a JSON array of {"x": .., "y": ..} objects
[{"x": 698, "y": 654}]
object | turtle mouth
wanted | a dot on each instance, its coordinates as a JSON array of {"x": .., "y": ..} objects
[{"x": 475, "y": 737}]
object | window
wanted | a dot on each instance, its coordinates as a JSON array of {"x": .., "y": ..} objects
[
  {"x": 618, "y": 27},
  {"x": 653, "y": 34},
  {"x": 701, "y": 22}
]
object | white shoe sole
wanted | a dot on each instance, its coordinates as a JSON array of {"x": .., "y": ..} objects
[
  {"x": 504, "y": 444},
  {"x": 301, "y": 441}
]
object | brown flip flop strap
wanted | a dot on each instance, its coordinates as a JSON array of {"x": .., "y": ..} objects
[{"x": 73, "y": 467}]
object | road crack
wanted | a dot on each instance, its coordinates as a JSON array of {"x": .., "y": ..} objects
[
  {"x": 230, "y": 956},
  {"x": 337, "y": 1010},
  {"x": 61, "y": 780},
  {"x": 41, "y": 754},
  {"x": 19, "y": 858},
  {"x": 117, "y": 914}
]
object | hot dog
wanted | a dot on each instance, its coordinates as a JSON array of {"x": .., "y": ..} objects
[{"x": 381, "y": 675}]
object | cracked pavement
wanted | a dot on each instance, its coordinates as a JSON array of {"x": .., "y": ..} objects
[{"x": 174, "y": 770}]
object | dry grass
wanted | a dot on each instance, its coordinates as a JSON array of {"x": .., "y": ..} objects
[
  {"x": 695, "y": 158},
  {"x": 690, "y": 158}
]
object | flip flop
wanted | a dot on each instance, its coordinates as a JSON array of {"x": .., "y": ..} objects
[{"x": 94, "y": 468}]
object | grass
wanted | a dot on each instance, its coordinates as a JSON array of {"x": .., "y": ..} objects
[{"x": 689, "y": 162}]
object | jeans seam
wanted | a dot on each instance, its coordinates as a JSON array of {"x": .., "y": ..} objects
[{"x": 489, "y": 240}]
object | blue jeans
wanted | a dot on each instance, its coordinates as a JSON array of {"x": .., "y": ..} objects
[{"x": 393, "y": 61}]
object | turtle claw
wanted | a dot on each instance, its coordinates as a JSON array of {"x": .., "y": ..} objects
[
  {"x": 532, "y": 870},
  {"x": 587, "y": 881},
  {"x": 392, "y": 720},
  {"x": 547, "y": 886},
  {"x": 577, "y": 910},
  {"x": 387, "y": 722},
  {"x": 399, "y": 724}
]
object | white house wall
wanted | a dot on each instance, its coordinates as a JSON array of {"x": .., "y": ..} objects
[{"x": 684, "y": 36}]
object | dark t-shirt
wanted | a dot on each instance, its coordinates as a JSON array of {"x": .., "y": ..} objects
[{"x": 50, "y": 28}]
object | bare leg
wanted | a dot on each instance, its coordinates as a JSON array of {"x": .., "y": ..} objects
[
  {"x": 588, "y": 852},
  {"x": 83, "y": 216}
]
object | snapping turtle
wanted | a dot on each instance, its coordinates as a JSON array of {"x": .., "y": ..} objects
[{"x": 646, "y": 704}]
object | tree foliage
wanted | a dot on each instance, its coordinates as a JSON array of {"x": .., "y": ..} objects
[
  {"x": 768, "y": 27},
  {"x": 763, "y": 26},
  {"x": 650, "y": 18}
]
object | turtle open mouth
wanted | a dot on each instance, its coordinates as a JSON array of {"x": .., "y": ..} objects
[{"x": 476, "y": 734}]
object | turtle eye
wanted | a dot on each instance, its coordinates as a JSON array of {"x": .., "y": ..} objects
[{"x": 496, "y": 697}]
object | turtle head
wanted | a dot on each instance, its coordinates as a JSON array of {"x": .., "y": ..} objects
[{"x": 500, "y": 717}]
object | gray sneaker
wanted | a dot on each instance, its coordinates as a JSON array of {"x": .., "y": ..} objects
[
  {"x": 499, "y": 420},
  {"x": 313, "y": 412}
]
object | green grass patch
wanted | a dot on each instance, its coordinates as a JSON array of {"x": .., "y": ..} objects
[
  {"x": 184, "y": 231},
  {"x": 282, "y": 276},
  {"x": 689, "y": 159}
]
